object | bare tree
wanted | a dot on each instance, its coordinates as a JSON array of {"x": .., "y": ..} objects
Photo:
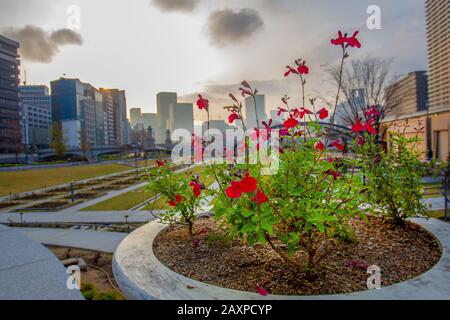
[{"x": 363, "y": 86}]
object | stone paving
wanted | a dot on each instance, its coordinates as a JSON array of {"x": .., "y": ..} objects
[
  {"x": 104, "y": 241},
  {"x": 29, "y": 271}
]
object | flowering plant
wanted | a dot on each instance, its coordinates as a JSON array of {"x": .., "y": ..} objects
[
  {"x": 315, "y": 190},
  {"x": 394, "y": 177},
  {"x": 183, "y": 195}
]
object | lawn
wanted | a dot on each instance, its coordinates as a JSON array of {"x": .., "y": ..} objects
[
  {"x": 27, "y": 180},
  {"x": 130, "y": 199},
  {"x": 125, "y": 201},
  {"x": 437, "y": 214}
]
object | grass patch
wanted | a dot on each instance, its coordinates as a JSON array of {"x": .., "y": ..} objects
[
  {"x": 125, "y": 201},
  {"x": 27, "y": 180},
  {"x": 437, "y": 214},
  {"x": 132, "y": 198}
]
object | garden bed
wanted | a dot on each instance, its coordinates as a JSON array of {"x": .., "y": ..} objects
[
  {"x": 4, "y": 205},
  {"x": 401, "y": 253}
]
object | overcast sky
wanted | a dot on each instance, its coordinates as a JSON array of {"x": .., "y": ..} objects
[{"x": 205, "y": 46}]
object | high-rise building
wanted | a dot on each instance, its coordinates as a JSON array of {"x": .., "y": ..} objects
[
  {"x": 74, "y": 106},
  {"x": 110, "y": 124},
  {"x": 36, "y": 115},
  {"x": 99, "y": 115},
  {"x": 438, "y": 38},
  {"x": 182, "y": 117},
  {"x": 408, "y": 95},
  {"x": 164, "y": 102},
  {"x": 120, "y": 115},
  {"x": 250, "y": 116},
  {"x": 406, "y": 103},
  {"x": 150, "y": 120},
  {"x": 135, "y": 116},
  {"x": 10, "y": 128}
]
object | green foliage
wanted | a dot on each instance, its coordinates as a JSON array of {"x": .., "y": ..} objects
[
  {"x": 179, "y": 193},
  {"x": 90, "y": 292},
  {"x": 306, "y": 203},
  {"x": 57, "y": 140},
  {"x": 394, "y": 178}
]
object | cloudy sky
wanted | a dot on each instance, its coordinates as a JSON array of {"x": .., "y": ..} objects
[{"x": 206, "y": 46}]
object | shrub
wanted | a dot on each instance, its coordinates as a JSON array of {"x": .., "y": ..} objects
[
  {"x": 311, "y": 197},
  {"x": 394, "y": 177},
  {"x": 183, "y": 196}
]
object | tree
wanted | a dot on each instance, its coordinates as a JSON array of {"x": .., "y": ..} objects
[
  {"x": 84, "y": 143},
  {"x": 58, "y": 142},
  {"x": 362, "y": 87}
]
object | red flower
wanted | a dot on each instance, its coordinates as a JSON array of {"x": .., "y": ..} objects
[
  {"x": 260, "y": 197},
  {"x": 177, "y": 200},
  {"x": 368, "y": 127},
  {"x": 232, "y": 117},
  {"x": 290, "y": 70},
  {"x": 323, "y": 113},
  {"x": 160, "y": 163},
  {"x": 262, "y": 291},
  {"x": 303, "y": 69},
  {"x": 357, "y": 126},
  {"x": 372, "y": 112},
  {"x": 333, "y": 173},
  {"x": 320, "y": 146},
  {"x": 202, "y": 103},
  {"x": 281, "y": 110},
  {"x": 303, "y": 111},
  {"x": 234, "y": 191},
  {"x": 248, "y": 183},
  {"x": 339, "y": 41},
  {"x": 352, "y": 41},
  {"x": 245, "y": 92},
  {"x": 196, "y": 188},
  {"x": 337, "y": 144},
  {"x": 284, "y": 132},
  {"x": 290, "y": 123}
]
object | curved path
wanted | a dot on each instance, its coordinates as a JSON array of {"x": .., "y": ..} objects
[
  {"x": 29, "y": 271},
  {"x": 103, "y": 241}
]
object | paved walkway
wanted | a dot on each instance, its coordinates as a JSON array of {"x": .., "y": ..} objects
[
  {"x": 436, "y": 203},
  {"x": 78, "y": 217},
  {"x": 104, "y": 241},
  {"x": 29, "y": 271},
  {"x": 107, "y": 196}
]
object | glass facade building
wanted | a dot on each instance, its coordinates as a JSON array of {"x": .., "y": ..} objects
[
  {"x": 36, "y": 115},
  {"x": 10, "y": 129}
]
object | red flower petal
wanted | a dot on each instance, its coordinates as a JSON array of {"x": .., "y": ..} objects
[
  {"x": 320, "y": 146},
  {"x": 323, "y": 113}
]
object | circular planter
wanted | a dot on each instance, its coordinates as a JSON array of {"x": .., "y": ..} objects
[{"x": 140, "y": 275}]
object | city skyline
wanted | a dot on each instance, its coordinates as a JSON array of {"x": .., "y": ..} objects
[{"x": 116, "y": 56}]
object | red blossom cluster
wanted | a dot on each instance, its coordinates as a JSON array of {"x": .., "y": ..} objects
[
  {"x": 343, "y": 40},
  {"x": 177, "y": 200},
  {"x": 248, "y": 184}
]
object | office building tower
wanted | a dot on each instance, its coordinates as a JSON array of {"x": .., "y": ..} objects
[
  {"x": 10, "y": 125},
  {"x": 36, "y": 115}
]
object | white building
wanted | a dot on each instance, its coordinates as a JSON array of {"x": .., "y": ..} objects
[{"x": 250, "y": 116}]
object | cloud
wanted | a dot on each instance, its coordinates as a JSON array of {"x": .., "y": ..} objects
[
  {"x": 227, "y": 26},
  {"x": 176, "y": 5},
  {"x": 38, "y": 45}
]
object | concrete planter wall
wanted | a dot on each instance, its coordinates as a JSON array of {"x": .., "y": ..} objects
[{"x": 141, "y": 275}]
